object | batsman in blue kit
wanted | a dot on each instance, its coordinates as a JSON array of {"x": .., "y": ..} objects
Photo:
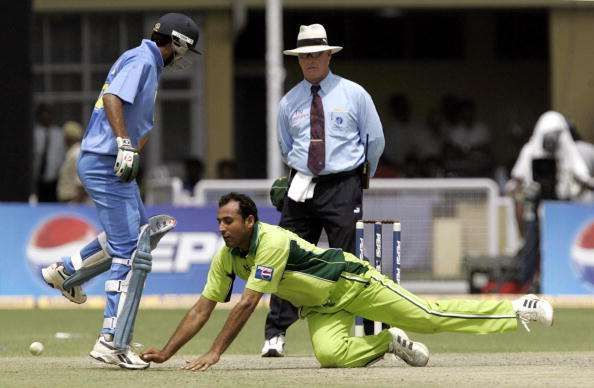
[{"x": 117, "y": 131}]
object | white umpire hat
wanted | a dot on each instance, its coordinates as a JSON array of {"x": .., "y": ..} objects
[{"x": 312, "y": 39}]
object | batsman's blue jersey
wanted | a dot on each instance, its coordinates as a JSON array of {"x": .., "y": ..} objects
[{"x": 134, "y": 78}]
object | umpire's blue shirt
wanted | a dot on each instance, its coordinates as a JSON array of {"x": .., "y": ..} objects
[
  {"x": 134, "y": 78},
  {"x": 349, "y": 116}
]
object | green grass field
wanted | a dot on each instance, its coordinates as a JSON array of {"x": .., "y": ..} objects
[
  {"x": 67, "y": 358},
  {"x": 21, "y": 327}
]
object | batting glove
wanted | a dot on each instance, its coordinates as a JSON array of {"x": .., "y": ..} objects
[{"x": 128, "y": 160}]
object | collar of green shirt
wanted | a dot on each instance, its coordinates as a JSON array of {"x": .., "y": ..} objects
[{"x": 237, "y": 252}]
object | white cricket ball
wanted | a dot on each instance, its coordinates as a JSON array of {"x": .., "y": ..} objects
[{"x": 36, "y": 348}]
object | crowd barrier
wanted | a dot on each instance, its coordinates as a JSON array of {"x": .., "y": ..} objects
[
  {"x": 567, "y": 248},
  {"x": 35, "y": 236}
]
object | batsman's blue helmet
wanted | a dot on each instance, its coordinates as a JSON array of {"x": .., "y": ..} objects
[{"x": 181, "y": 28}]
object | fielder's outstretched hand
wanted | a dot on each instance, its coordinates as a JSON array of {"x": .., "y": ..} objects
[
  {"x": 154, "y": 355},
  {"x": 203, "y": 362}
]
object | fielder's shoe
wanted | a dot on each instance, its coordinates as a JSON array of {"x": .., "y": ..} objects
[
  {"x": 105, "y": 351},
  {"x": 55, "y": 276},
  {"x": 274, "y": 347},
  {"x": 532, "y": 308},
  {"x": 411, "y": 352}
]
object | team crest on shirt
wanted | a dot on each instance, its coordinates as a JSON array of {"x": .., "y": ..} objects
[
  {"x": 338, "y": 117},
  {"x": 264, "y": 273}
]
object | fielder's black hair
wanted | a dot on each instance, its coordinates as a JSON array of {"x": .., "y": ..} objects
[
  {"x": 160, "y": 39},
  {"x": 247, "y": 207}
]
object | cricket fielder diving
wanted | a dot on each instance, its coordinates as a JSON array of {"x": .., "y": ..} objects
[
  {"x": 117, "y": 131},
  {"x": 330, "y": 287}
]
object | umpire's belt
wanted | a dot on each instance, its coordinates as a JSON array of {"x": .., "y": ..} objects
[{"x": 337, "y": 176}]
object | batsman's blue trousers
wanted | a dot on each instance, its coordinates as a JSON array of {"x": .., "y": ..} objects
[{"x": 121, "y": 213}]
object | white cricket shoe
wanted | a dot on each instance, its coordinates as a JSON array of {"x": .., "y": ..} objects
[
  {"x": 274, "y": 347},
  {"x": 55, "y": 276},
  {"x": 532, "y": 308},
  {"x": 411, "y": 352},
  {"x": 105, "y": 351}
]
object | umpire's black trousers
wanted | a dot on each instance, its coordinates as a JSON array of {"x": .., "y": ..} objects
[{"x": 335, "y": 207}]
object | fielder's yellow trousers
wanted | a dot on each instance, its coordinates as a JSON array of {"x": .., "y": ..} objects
[{"x": 376, "y": 297}]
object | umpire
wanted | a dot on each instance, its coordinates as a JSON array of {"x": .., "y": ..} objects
[{"x": 331, "y": 137}]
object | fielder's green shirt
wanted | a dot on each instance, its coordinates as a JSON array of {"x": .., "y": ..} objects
[
  {"x": 332, "y": 287},
  {"x": 280, "y": 262}
]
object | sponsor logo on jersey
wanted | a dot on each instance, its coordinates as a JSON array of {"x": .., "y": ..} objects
[{"x": 264, "y": 273}]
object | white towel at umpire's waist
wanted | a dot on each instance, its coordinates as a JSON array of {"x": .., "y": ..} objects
[{"x": 302, "y": 187}]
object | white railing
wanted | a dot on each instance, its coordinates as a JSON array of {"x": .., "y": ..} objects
[
  {"x": 209, "y": 190},
  {"x": 166, "y": 190},
  {"x": 512, "y": 238},
  {"x": 431, "y": 211},
  {"x": 488, "y": 186}
]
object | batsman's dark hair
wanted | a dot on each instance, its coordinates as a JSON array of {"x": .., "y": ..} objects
[
  {"x": 247, "y": 207},
  {"x": 160, "y": 39}
]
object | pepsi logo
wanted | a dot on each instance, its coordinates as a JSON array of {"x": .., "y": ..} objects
[
  {"x": 582, "y": 254},
  {"x": 56, "y": 237}
]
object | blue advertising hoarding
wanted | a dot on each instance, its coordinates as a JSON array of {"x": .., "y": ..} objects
[
  {"x": 567, "y": 248},
  {"x": 36, "y": 236}
]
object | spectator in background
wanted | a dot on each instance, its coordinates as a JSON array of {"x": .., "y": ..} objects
[
  {"x": 467, "y": 142},
  {"x": 70, "y": 188},
  {"x": 386, "y": 169},
  {"x": 194, "y": 171},
  {"x": 509, "y": 142},
  {"x": 567, "y": 175},
  {"x": 432, "y": 144},
  {"x": 586, "y": 151},
  {"x": 227, "y": 169},
  {"x": 428, "y": 145},
  {"x": 447, "y": 115},
  {"x": 425, "y": 159},
  {"x": 399, "y": 134},
  {"x": 549, "y": 167},
  {"x": 412, "y": 148},
  {"x": 48, "y": 154}
]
